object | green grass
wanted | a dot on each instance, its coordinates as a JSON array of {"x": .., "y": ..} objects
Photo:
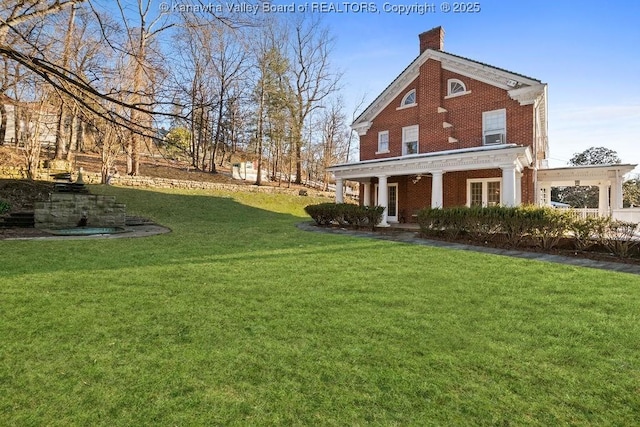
[{"x": 239, "y": 318}]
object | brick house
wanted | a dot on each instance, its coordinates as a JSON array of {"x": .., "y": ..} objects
[{"x": 451, "y": 131}]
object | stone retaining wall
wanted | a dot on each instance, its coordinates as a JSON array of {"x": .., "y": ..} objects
[
  {"x": 151, "y": 182},
  {"x": 65, "y": 210}
]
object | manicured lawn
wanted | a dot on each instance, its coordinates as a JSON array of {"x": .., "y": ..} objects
[{"x": 239, "y": 318}]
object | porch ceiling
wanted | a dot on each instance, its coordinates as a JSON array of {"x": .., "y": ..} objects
[
  {"x": 490, "y": 157},
  {"x": 586, "y": 175}
]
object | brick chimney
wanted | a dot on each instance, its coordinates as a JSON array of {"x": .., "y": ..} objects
[{"x": 432, "y": 39}]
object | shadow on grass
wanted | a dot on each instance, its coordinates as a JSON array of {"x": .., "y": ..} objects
[{"x": 205, "y": 228}]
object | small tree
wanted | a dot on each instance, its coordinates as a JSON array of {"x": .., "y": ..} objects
[
  {"x": 631, "y": 192},
  {"x": 585, "y": 196}
]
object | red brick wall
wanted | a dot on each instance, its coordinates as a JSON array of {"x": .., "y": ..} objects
[
  {"x": 393, "y": 120},
  {"x": 463, "y": 112}
]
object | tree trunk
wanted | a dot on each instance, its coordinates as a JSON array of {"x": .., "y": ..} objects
[{"x": 3, "y": 122}]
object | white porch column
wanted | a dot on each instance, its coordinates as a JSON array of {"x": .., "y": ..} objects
[
  {"x": 436, "y": 189},
  {"x": 545, "y": 196},
  {"x": 603, "y": 199},
  {"x": 339, "y": 190},
  {"x": 616, "y": 192},
  {"x": 383, "y": 199},
  {"x": 509, "y": 185},
  {"x": 518, "y": 188},
  {"x": 367, "y": 194}
]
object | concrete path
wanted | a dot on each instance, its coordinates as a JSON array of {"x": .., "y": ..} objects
[
  {"x": 129, "y": 232},
  {"x": 412, "y": 238}
]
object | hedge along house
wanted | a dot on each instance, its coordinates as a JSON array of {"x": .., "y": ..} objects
[{"x": 451, "y": 131}]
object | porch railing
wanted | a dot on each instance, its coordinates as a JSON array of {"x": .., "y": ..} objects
[{"x": 582, "y": 212}]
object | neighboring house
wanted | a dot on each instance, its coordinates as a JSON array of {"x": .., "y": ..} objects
[
  {"x": 451, "y": 131},
  {"x": 22, "y": 120}
]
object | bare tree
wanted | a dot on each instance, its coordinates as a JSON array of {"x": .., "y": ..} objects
[
  {"x": 335, "y": 138},
  {"x": 313, "y": 78}
]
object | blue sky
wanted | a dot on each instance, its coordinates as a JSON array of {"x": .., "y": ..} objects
[{"x": 587, "y": 52}]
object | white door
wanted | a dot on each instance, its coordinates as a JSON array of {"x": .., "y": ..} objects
[{"x": 392, "y": 205}]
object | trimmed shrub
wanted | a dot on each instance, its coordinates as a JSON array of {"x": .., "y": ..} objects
[
  {"x": 588, "y": 231},
  {"x": 619, "y": 238},
  {"x": 345, "y": 214},
  {"x": 323, "y": 213},
  {"x": 373, "y": 214},
  {"x": 549, "y": 226},
  {"x": 546, "y": 226}
]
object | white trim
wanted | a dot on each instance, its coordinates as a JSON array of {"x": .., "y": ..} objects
[
  {"x": 485, "y": 193},
  {"x": 450, "y": 83},
  {"x": 464, "y": 67},
  {"x": 404, "y": 107},
  {"x": 489, "y": 157},
  {"x": 455, "y": 95},
  {"x": 404, "y": 104}
]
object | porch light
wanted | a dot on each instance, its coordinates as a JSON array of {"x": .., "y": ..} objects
[{"x": 577, "y": 183}]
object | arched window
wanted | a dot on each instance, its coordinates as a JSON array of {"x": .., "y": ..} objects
[
  {"x": 409, "y": 99},
  {"x": 456, "y": 87}
]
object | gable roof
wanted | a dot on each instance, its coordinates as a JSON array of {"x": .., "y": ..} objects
[{"x": 522, "y": 88}]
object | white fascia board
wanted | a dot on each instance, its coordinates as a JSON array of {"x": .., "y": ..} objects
[
  {"x": 587, "y": 175},
  {"x": 389, "y": 94},
  {"x": 451, "y": 161},
  {"x": 484, "y": 73},
  {"x": 481, "y": 72}
]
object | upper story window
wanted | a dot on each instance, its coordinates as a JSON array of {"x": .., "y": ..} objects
[
  {"x": 409, "y": 99},
  {"x": 455, "y": 88},
  {"x": 410, "y": 140},
  {"x": 494, "y": 127},
  {"x": 383, "y": 142}
]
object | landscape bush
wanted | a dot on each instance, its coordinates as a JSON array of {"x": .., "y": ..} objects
[
  {"x": 588, "y": 231},
  {"x": 619, "y": 238},
  {"x": 544, "y": 227},
  {"x": 345, "y": 214}
]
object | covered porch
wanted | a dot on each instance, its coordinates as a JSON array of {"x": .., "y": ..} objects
[
  {"x": 608, "y": 179},
  {"x": 510, "y": 159}
]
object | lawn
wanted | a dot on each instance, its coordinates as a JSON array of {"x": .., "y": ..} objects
[{"x": 239, "y": 318}]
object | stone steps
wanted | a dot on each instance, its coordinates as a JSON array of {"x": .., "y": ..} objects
[{"x": 19, "y": 219}]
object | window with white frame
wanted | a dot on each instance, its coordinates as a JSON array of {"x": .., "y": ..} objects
[
  {"x": 494, "y": 127},
  {"x": 383, "y": 141},
  {"x": 483, "y": 192},
  {"x": 456, "y": 87},
  {"x": 409, "y": 99},
  {"x": 410, "y": 140}
]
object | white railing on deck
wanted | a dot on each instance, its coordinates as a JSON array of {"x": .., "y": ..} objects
[{"x": 582, "y": 212}]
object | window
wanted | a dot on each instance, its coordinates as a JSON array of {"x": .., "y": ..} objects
[
  {"x": 494, "y": 127},
  {"x": 456, "y": 87},
  {"x": 483, "y": 192},
  {"x": 383, "y": 142},
  {"x": 409, "y": 99},
  {"x": 410, "y": 140}
]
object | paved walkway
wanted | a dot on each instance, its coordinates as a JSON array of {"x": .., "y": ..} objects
[
  {"x": 408, "y": 236},
  {"x": 128, "y": 232}
]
